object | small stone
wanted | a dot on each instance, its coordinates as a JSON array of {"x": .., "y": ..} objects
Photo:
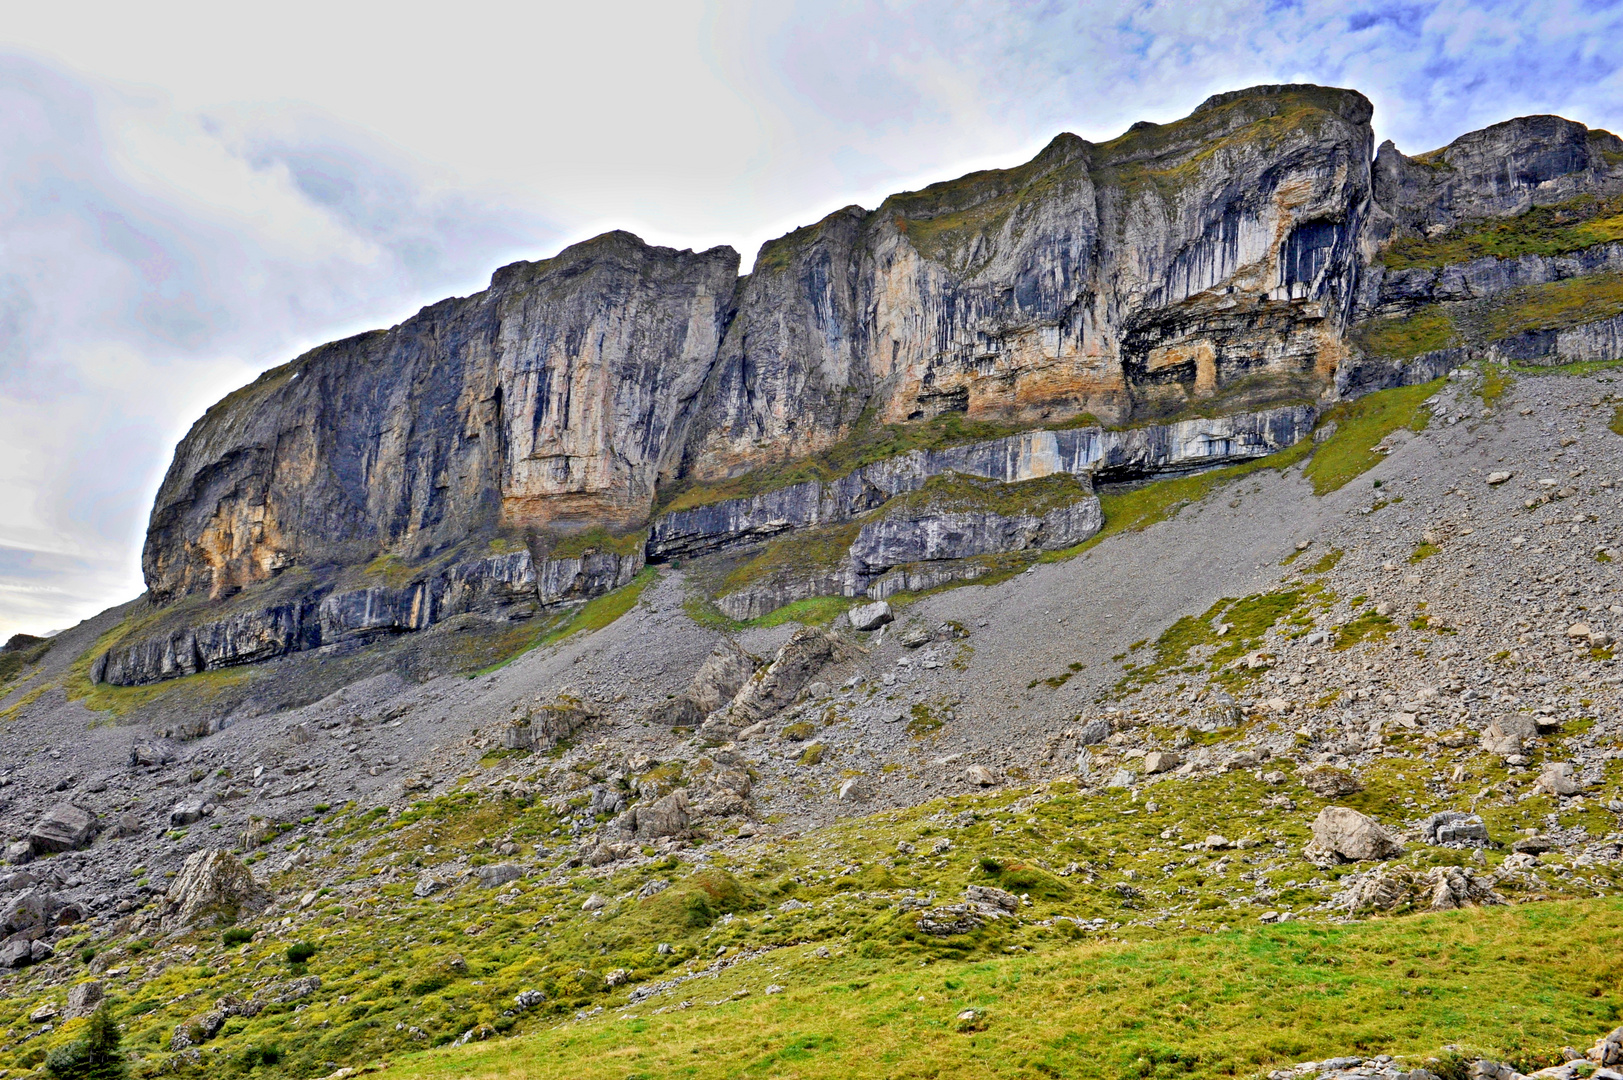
[
  {"x": 1122, "y": 778},
  {"x": 1498, "y": 477},
  {"x": 213, "y": 886},
  {"x": 595, "y": 902},
  {"x": 44, "y": 1014}
]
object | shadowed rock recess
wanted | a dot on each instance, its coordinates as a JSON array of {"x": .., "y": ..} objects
[{"x": 1186, "y": 295}]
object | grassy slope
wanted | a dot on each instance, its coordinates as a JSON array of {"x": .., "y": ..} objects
[
  {"x": 1513, "y": 982},
  {"x": 387, "y": 958}
]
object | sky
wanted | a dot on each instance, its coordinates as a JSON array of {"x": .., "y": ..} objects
[{"x": 191, "y": 193}]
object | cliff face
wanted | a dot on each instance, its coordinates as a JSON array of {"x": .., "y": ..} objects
[
  {"x": 1175, "y": 264},
  {"x": 494, "y": 453},
  {"x": 1497, "y": 172},
  {"x": 549, "y": 401}
]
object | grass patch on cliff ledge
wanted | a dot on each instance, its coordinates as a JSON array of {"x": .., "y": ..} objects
[
  {"x": 595, "y": 614},
  {"x": 1544, "y": 230},
  {"x": 1361, "y": 426},
  {"x": 1556, "y": 305},
  {"x": 1429, "y": 329},
  {"x": 1516, "y": 983}
]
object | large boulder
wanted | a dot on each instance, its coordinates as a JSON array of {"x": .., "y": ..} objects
[
  {"x": 1556, "y": 779},
  {"x": 16, "y": 953},
  {"x": 29, "y": 911},
  {"x": 719, "y": 678},
  {"x": 64, "y": 828},
  {"x": 84, "y": 998},
  {"x": 1330, "y": 783},
  {"x": 213, "y": 886},
  {"x": 152, "y": 752},
  {"x": 545, "y": 726},
  {"x": 869, "y": 616},
  {"x": 492, "y": 877},
  {"x": 1341, "y": 834},
  {"x": 667, "y": 817},
  {"x": 1507, "y": 734},
  {"x": 187, "y": 812}
]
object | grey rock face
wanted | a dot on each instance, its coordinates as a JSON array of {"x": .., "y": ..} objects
[
  {"x": 924, "y": 536},
  {"x": 555, "y": 399},
  {"x": 1399, "y": 292},
  {"x": 1030, "y": 455},
  {"x": 1595, "y": 341},
  {"x": 63, "y": 828},
  {"x": 1496, "y": 172},
  {"x": 507, "y": 581},
  {"x": 1211, "y": 265},
  {"x": 1083, "y": 281}
]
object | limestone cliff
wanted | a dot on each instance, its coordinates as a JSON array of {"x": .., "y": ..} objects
[
  {"x": 549, "y": 402},
  {"x": 1214, "y": 257},
  {"x": 1185, "y": 294}
]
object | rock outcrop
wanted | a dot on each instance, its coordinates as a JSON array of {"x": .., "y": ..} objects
[
  {"x": 1497, "y": 172},
  {"x": 213, "y": 886}
]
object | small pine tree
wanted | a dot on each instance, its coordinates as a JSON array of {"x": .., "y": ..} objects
[{"x": 96, "y": 1056}]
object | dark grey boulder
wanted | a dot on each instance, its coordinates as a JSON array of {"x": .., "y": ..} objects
[{"x": 64, "y": 828}]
